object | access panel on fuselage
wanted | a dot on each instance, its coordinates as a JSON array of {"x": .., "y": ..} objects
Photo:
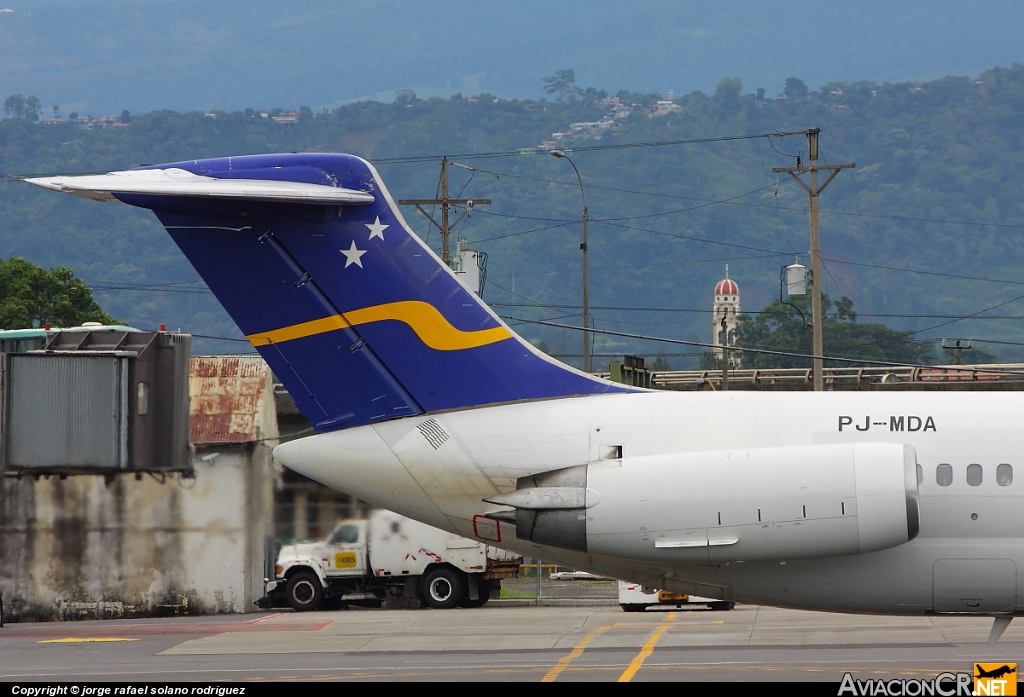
[{"x": 974, "y": 585}]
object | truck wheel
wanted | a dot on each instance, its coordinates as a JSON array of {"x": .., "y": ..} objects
[
  {"x": 443, "y": 588},
  {"x": 304, "y": 591},
  {"x": 723, "y": 605}
]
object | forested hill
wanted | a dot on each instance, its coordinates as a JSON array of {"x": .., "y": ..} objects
[{"x": 928, "y": 228}]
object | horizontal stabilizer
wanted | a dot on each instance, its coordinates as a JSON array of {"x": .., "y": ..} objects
[{"x": 179, "y": 182}]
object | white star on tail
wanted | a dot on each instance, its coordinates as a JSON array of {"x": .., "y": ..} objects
[
  {"x": 376, "y": 228},
  {"x": 352, "y": 255}
]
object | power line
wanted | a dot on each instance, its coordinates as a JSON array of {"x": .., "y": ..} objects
[
  {"x": 525, "y": 232},
  {"x": 640, "y": 266},
  {"x": 907, "y": 334},
  {"x": 705, "y": 203},
  {"x": 925, "y": 273},
  {"x": 582, "y": 148},
  {"x": 220, "y": 338},
  {"x": 599, "y": 187},
  {"x": 770, "y": 252},
  {"x": 787, "y": 354},
  {"x": 774, "y": 207},
  {"x": 154, "y": 290},
  {"x": 682, "y": 210},
  {"x": 623, "y": 308},
  {"x": 971, "y": 316}
]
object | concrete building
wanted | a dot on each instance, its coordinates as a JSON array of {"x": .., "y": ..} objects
[{"x": 86, "y": 546}]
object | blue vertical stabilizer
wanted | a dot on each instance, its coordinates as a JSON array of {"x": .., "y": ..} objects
[{"x": 356, "y": 316}]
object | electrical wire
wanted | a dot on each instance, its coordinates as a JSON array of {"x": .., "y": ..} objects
[
  {"x": 773, "y": 206},
  {"x": 525, "y": 232},
  {"x": 578, "y": 149},
  {"x": 770, "y": 252},
  {"x": 904, "y": 335},
  {"x": 639, "y": 266},
  {"x": 787, "y": 354},
  {"x": 682, "y": 210},
  {"x": 622, "y": 308},
  {"x": 924, "y": 273}
]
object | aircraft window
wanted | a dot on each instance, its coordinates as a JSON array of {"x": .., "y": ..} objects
[
  {"x": 920, "y": 475},
  {"x": 974, "y": 475},
  {"x": 1004, "y": 475},
  {"x": 944, "y": 475}
]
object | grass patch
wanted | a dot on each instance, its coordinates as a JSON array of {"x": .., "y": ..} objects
[{"x": 512, "y": 594}]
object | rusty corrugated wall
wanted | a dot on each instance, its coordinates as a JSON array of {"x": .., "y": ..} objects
[{"x": 226, "y": 395}]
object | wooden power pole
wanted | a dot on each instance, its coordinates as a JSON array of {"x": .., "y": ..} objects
[
  {"x": 447, "y": 204},
  {"x": 813, "y": 191}
]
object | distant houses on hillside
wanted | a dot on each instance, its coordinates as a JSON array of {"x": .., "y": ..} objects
[
  {"x": 617, "y": 110},
  {"x": 284, "y": 118},
  {"x": 288, "y": 118},
  {"x": 88, "y": 122}
]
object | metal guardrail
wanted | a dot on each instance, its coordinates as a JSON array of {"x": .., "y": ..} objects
[{"x": 885, "y": 375}]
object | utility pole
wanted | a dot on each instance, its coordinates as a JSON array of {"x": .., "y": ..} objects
[
  {"x": 725, "y": 352},
  {"x": 584, "y": 217},
  {"x": 957, "y": 348},
  {"x": 447, "y": 204},
  {"x": 813, "y": 191}
]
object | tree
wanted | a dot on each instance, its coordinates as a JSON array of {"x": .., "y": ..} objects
[
  {"x": 31, "y": 296},
  {"x": 795, "y": 88},
  {"x": 785, "y": 326},
  {"x": 728, "y": 91},
  {"x": 14, "y": 105},
  {"x": 125, "y": 117},
  {"x": 660, "y": 363},
  {"x": 21, "y": 107},
  {"x": 710, "y": 361},
  {"x": 405, "y": 96},
  {"x": 562, "y": 83}
]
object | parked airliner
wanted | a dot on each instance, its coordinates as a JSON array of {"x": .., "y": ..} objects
[{"x": 427, "y": 403}]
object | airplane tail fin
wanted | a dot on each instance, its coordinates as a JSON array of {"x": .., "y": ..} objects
[{"x": 356, "y": 316}]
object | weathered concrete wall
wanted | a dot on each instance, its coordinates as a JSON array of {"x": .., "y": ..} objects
[{"x": 82, "y": 547}]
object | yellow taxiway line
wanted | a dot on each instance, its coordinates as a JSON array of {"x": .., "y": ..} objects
[{"x": 647, "y": 650}]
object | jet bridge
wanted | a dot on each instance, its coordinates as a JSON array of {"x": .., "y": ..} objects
[{"x": 95, "y": 400}]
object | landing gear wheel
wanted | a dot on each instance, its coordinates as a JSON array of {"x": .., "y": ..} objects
[
  {"x": 443, "y": 588},
  {"x": 632, "y": 607},
  {"x": 723, "y": 605},
  {"x": 304, "y": 591}
]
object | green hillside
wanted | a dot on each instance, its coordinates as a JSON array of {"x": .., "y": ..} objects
[{"x": 926, "y": 229}]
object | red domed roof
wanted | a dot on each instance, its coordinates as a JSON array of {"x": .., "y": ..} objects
[{"x": 727, "y": 286}]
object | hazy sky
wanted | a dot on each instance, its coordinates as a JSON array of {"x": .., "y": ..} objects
[{"x": 105, "y": 55}]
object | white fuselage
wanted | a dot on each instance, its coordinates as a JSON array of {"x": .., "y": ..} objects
[{"x": 967, "y": 556}]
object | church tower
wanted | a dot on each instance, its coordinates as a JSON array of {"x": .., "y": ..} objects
[{"x": 725, "y": 318}]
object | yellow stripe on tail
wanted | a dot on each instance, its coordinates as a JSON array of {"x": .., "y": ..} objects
[{"x": 424, "y": 319}]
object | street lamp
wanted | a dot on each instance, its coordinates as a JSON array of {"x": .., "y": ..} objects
[{"x": 583, "y": 248}]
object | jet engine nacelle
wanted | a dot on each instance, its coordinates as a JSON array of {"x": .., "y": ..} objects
[{"x": 725, "y": 506}]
